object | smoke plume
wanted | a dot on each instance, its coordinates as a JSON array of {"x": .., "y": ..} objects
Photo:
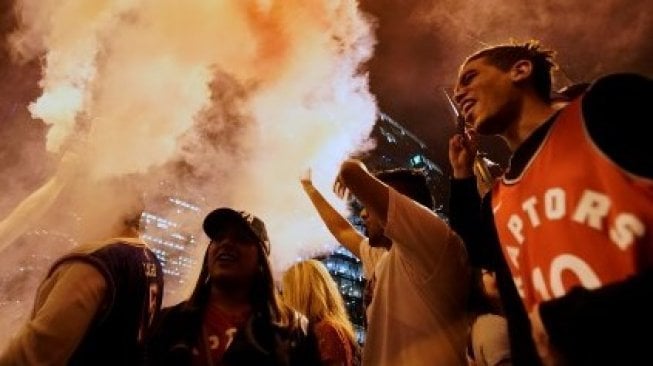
[{"x": 227, "y": 102}]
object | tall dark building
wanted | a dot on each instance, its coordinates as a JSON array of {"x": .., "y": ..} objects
[{"x": 395, "y": 148}]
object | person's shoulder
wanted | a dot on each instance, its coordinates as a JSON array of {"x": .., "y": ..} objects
[
  {"x": 298, "y": 338},
  {"x": 489, "y": 325},
  {"x": 291, "y": 322},
  {"x": 620, "y": 92},
  {"x": 173, "y": 331},
  {"x": 612, "y": 110},
  {"x": 126, "y": 243},
  {"x": 618, "y": 86},
  {"x": 490, "y": 321},
  {"x": 111, "y": 244},
  {"x": 370, "y": 253},
  {"x": 326, "y": 328},
  {"x": 179, "y": 315},
  {"x": 619, "y": 80}
]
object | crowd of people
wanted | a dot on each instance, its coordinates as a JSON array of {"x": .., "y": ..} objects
[{"x": 551, "y": 264}]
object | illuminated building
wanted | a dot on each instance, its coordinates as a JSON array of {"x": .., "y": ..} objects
[
  {"x": 397, "y": 147},
  {"x": 169, "y": 233},
  {"x": 347, "y": 271}
]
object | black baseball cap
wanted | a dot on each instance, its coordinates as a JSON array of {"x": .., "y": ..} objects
[{"x": 219, "y": 219}]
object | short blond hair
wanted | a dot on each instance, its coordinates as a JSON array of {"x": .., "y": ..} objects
[{"x": 309, "y": 288}]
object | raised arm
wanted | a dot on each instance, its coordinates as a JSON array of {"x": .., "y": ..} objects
[
  {"x": 369, "y": 190},
  {"x": 339, "y": 227},
  {"x": 34, "y": 206},
  {"x": 415, "y": 231}
]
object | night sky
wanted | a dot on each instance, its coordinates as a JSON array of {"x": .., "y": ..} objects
[
  {"x": 422, "y": 43},
  {"x": 420, "y": 46}
]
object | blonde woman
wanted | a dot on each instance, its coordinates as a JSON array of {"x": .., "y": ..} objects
[{"x": 309, "y": 288}]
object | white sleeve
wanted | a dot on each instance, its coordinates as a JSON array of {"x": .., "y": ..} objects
[
  {"x": 370, "y": 256},
  {"x": 65, "y": 305},
  {"x": 422, "y": 238},
  {"x": 490, "y": 340}
]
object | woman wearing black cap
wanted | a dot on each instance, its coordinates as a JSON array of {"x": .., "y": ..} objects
[{"x": 233, "y": 316}]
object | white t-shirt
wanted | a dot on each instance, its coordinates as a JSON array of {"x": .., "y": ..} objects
[
  {"x": 418, "y": 312},
  {"x": 490, "y": 340}
]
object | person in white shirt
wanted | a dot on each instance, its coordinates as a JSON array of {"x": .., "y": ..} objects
[{"x": 419, "y": 267}]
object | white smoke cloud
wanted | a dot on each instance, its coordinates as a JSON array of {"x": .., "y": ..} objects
[{"x": 228, "y": 101}]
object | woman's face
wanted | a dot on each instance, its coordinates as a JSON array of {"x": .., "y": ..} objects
[{"x": 233, "y": 255}]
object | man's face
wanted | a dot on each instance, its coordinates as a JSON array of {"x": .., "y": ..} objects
[
  {"x": 233, "y": 255},
  {"x": 485, "y": 96},
  {"x": 374, "y": 229}
]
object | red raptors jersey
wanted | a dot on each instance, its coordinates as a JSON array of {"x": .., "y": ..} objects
[{"x": 573, "y": 217}]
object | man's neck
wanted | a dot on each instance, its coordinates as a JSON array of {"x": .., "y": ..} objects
[
  {"x": 534, "y": 112},
  {"x": 380, "y": 241}
]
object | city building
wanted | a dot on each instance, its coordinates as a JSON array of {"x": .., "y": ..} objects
[
  {"x": 347, "y": 271},
  {"x": 397, "y": 147},
  {"x": 169, "y": 233}
]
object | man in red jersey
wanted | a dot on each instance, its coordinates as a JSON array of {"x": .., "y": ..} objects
[{"x": 568, "y": 228}]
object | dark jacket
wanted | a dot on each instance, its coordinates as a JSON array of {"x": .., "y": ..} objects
[
  {"x": 259, "y": 343},
  {"x": 118, "y": 333}
]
